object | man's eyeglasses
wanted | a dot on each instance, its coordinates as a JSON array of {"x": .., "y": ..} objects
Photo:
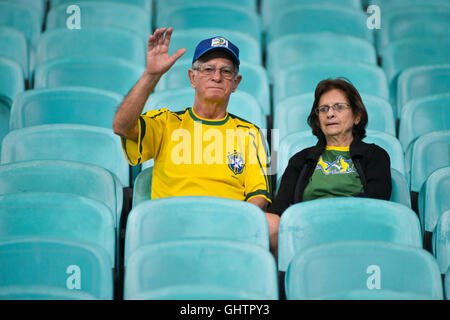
[
  {"x": 209, "y": 70},
  {"x": 336, "y": 107}
]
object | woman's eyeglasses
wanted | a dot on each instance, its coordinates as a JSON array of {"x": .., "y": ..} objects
[{"x": 338, "y": 107}]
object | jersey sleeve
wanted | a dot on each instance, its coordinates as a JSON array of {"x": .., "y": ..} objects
[
  {"x": 257, "y": 180},
  {"x": 151, "y": 126}
]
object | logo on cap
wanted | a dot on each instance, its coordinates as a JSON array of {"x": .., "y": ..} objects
[{"x": 219, "y": 42}]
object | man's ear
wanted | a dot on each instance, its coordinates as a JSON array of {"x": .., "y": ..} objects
[
  {"x": 236, "y": 82},
  {"x": 191, "y": 77}
]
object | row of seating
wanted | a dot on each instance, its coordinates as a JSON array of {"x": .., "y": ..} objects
[{"x": 197, "y": 259}]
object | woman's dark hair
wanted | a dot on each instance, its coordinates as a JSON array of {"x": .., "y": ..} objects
[{"x": 353, "y": 98}]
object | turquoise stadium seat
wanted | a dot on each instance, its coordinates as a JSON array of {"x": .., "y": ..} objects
[
  {"x": 97, "y": 43},
  {"x": 316, "y": 18},
  {"x": 298, "y": 141},
  {"x": 82, "y": 143},
  {"x": 199, "y": 270},
  {"x": 433, "y": 198},
  {"x": 11, "y": 81},
  {"x": 403, "y": 54},
  {"x": 303, "y": 78},
  {"x": 250, "y": 50},
  {"x": 59, "y": 215},
  {"x": 291, "y": 114},
  {"x": 392, "y": 147},
  {"x": 417, "y": 82},
  {"x": 96, "y": 14},
  {"x": 344, "y": 219},
  {"x": 43, "y": 292},
  {"x": 270, "y": 8},
  {"x": 23, "y": 17},
  {"x": 14, "y": 47},
  {"x": 38, "y": 6},
  {"x": 428, "y": 153},
  {"x": 147, "y": 5},
  {"x": 113, "y": 74},
  {"x": 142, "y": 188},
  {"x": 82, "y": 179},
  {"x": 363, "y": 270},
  {"x": 400, "y": 189},
  {"x": 414, "y": 21},
  {"x": 58, "y": 263},
  {"x": 11, "y": 84},
  {"x": 255, "y": 81},
  {"x": 241, "y": 104},
  {"x": 194, "y": 217},
  {"x": 167, "y": 5},
  {"x": 317, "y": 47},
  {"x": 78, "y": 105},
  {"x": 206, "y": 16},
  {"x": 421, "y": 116},
  {"x": 441, "y": 242}
]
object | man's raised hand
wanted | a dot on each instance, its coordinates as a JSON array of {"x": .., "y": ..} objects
[{"x": 158, "y": 59}]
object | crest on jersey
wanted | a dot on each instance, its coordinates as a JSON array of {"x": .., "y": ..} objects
[
  {"x": 219, "y": 42},
  {"x": 235, "y": 162}
]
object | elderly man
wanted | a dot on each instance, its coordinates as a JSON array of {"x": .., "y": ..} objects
[{"x": 202, "y": 150}]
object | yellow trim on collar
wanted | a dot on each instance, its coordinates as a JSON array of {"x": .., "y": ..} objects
[{"x": 337, "y": 148}]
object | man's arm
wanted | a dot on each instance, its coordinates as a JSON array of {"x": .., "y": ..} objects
[{"x": 158, "y": 63}]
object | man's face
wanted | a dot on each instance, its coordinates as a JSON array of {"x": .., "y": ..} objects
[{"x": 216, "y": 78}]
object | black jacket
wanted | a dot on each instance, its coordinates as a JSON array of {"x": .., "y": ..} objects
[{"x": 371, "y": 162}]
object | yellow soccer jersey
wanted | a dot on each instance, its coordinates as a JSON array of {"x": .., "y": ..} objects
[{"x": 194, "y": 156}]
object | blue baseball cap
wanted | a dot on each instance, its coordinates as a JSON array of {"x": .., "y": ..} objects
[{"x": 217, "y": 43}]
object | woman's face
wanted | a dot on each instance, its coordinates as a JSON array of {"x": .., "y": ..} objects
[{"x": 336, "y": 123}]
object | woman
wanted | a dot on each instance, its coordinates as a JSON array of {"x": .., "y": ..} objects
[{"x": 340, "y": 164}]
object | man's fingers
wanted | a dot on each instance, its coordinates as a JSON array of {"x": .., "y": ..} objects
[
  {"x": 168, "y": 36},
  {"x": 177, "y": 55}
]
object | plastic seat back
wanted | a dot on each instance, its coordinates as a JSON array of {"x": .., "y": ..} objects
[
  {"x": 60, "y": 215},
  {"x": 70, "y": 266},
  {"x": 317, "y": 47},
  {"x": 195, "y": 217},
  {"x": 311, "y": 223},
  {"x": 22, "y": 17},
  {"x": 142, "y": 188},
  {"x": 367, "y": 269},
  {"x": 103, "y": 14},
  {"x": 428, "y": 153},
  {"x": 424, "y": 115},
  {"x": 241, "y": 104},
  {"x": 400, "y": 189},
  {"x": 403, "y": 54},
  {"x": 271, "y": 8},
  {"x": 27, "y": 292},
  {"x": 303, "y": 78},
  {"x": 85, "y": 180},
  {"x": 415, "y": 21},
  {"x": 316, "y": 18},
  {"x": 107, "y": 73},
  {"x": 441, "y": 242},
  {"x": 77, "y": 105},
  {"x": 142, "y": 4},
  {"x": 205, "y": 16},
  {"x": 98, "y": 42},
  {"x": 201, "y": 269},
  {"x": 417, "y": 82},
  {"x": 14, "y": 46},
  {"x": 433, "y": 198},
  {"x": 82, "y": 143}
]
